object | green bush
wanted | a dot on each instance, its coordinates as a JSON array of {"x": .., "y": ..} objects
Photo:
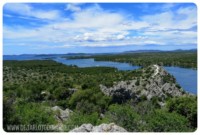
[
  {"x": 145, "y": 107},
  {"x": 77, "y": 119},
  {"x": 137, "y": 83},
  {"x": 31, "y": 114},
  {"x": 168, "y": 79},
  {"x": 186, "y": 106},
  {"x": 62, "y": 103},
  {"x": 88, "y": 101},
  {"x": 124, "y": 116},
  {"x": 84, "y": 86},
  {"x": 61, "y": 93},
  {"x": 163, "y": 121},
  {"x": 8, "y": 111}
]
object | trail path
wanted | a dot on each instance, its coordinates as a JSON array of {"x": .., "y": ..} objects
[{"x": 157, "y": 69}]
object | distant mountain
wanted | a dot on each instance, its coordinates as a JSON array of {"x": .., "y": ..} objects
[
  {"x": 86, "y": 54},
  {"x": 145, "y": 51},
  {"x": 142, "y": 51},
  {"x": 180, "y": 50}
]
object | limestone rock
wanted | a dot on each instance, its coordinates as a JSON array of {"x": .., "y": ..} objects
[
  {"x": 159, "y": 84},
  {"x": 61, "y": 114},
  {"x": 83, "y": 128},
  {"x": 108, "y": 128},
  {"x": 101, "y": 128}
]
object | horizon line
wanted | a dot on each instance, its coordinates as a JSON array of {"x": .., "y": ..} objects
[{"x": 102, "y": 52}]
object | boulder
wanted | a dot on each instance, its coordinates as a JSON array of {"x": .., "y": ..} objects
[
  {"x": 60, "y": 114},
  {"x": 108, "y": 128},
  {"x": 83, "y": 128},
  {"x": 101, "y": 128}
]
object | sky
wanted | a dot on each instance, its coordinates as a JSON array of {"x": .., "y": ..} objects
[{"x": 46, "y": 28}]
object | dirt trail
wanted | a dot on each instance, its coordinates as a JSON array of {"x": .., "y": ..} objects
[{"x": 157, "y": 69}]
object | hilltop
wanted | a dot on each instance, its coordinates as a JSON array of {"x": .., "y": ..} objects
[{"x": 155, "y": 82}]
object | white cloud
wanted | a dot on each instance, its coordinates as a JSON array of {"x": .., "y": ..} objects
[
  {"x": 94, "y": 26},
  {"x": 120, "y": 37},
  {"x": 28, "y": 11},
  {"x": 95, "y": 17},
  {"x": 7, "y": 15},
  {"x": 161, "y": 21},
  {"x": 183, "y": 18},
  {"x": 74, "y": 7}
]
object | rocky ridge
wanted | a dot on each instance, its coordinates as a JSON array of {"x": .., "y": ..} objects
[{"x": 156, "y": 82}]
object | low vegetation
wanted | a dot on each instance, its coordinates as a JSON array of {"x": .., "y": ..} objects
[{"x": 32, "y": 87}]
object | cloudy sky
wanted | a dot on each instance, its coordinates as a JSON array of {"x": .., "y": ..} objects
[{"x": 97, "y": 27}]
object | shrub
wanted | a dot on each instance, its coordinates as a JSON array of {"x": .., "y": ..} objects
[
  {"x": 84, "y": 86},
  {"x": 77, "y": 119},
  {"x": 31, "y": 114},
  {"x": 178, "y": 86},
  {"x": 186, "y": 106},
  {"x": 137, "y": 83},
  {"x": 124, "y": 116},
  {"x": 88, "y": 101},
  {"x": 163, "y": 121},
  {"x": 61, "y": 93}
]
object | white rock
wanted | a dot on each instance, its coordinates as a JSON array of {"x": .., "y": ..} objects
[
  {"x": 61, "y": 114},
  {"x": 101, "y": 128}
]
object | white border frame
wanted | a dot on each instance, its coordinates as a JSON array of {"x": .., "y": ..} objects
[{"x": 2, "y": 132}]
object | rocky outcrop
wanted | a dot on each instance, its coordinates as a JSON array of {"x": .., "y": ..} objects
[
  {"x": 120, "y": 92},
  {"x": 101, "y": 128},
  {"x": 155, "y": 82},
  {"x": 60, "y": 114}
]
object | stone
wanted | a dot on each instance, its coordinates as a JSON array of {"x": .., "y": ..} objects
[
  {"x": 112, "y": 127},
  {"x": 60, "y": 114},
  {"x": 83, "y": 128}
]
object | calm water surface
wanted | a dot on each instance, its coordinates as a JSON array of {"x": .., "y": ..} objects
[
  {"x": 187, "y": 78},
  {"x": 92, "y": 63}
]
